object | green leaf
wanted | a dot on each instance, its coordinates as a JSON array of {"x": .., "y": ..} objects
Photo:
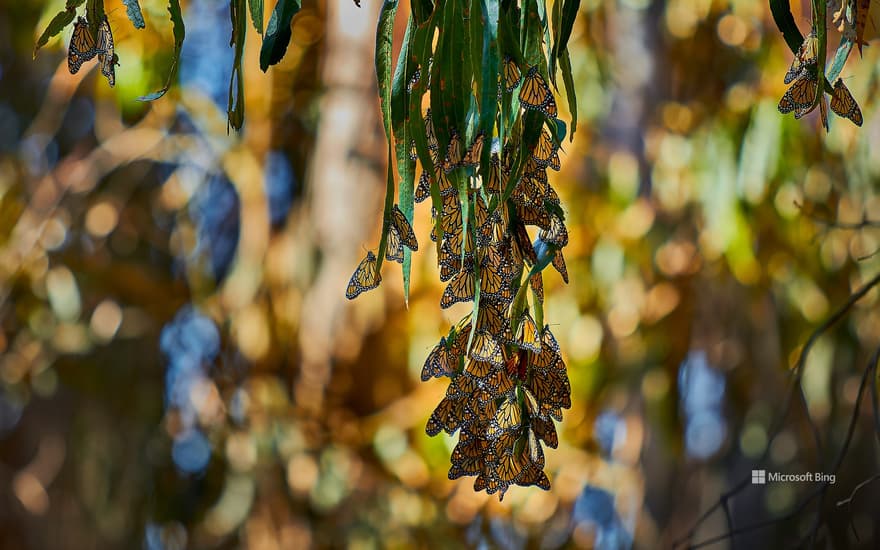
[
  {"x": 57, "y": 24},
  {"x": 405, "y": 167},
  {"x": 95, "y": 14},
  {"x": 420, "y": 52},
  {"x": 257, "y": 14},
  {"x": 235, "y": 105},
  {"x": 569, "y": 13},
  {"x": 490, "y": 72},
  {"x": 785, "y": 23},
  {"x": 179, "y": 35},
  {"x": 133, "y": 10},
  {"x": 570, "y": 93},
  {"x": 384, "y": 42},
  {"x": 534, "y": 35},
  {"x": 278, "y": 34}
]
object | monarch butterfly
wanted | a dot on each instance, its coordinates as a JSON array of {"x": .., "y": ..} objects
[
  {"x": 530, "y": 195},
  {"x": 512, "y": 74},
  {"x": 527, "y": 336},
  {"x": 536, "y": 453},
  {"x": 106, "y": 56},
  {"x": 449, "y": 261},
  {"x": 522, "y": 244},
  {"x": 448, "y": 417},
  {"x": 504, "y": 442},
  {"x": 423, "y": 189},
  {"x": 551, "y": 387},
  {"x": 469, "y": 445},
  {"x": 458, "y": 336},
  {"x": 82, "y": 46},
  {"x": 531, "y": 214},
  {"x": 366, "y": 277},
  {"x": 536, "y": 95},
  {"x": 403, "y": 228},
  {"x": 494, "y": 184},
  {"x": 486, "y": 348},
  {"x": 533, "y": 476},
  {"x": 468, "y": 456},
  {"x": 494, "y": 286},
  {"x": 450, "y": 217},
  {"x": 844, "y": 105},
  {"x": 466, "y": 466},
  {"x": 802, "y": 94},
  {"x": 499, "y": 382},
  {"x": 531, "y": 402},
  {"x": 444, "y": 184},
  {"x": 545, "y": 150},
  {"x": 493, "y": 257},
  {"x": 510, "y": 466},
  {"x": 461, "y": 387},
  {"x": 549, "y": 351},
  {"x": 545, "y": 430},
  {"x": 482, "y": 221},
  {"x": 394, "y": 249},
  {"x": 557, "y": 233},
  {"x": 442, "y": 361},
  {"x": 500, "y": 220},
  {"x": 487, "y": 482},
  {"x": 475, "y": 151},
  {"x": 507, "y": 417},
  {"x": 481, "y": 407},
  {"x": 460, "y": 243},
  {"x": 806, "y": 55},
  {"x": 490, "y": 318},
  {"x": 559, "y": 264},
  {"x": 537, "y": 283},
  {"x": 459, "y": 289},
  {"x": 478, "y": 369},
  {"x": 429, "y": 131},
  {"x": 453, "y": 153}
]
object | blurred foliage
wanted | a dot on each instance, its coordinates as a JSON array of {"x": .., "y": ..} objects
[{"x": 172, "y": 376}]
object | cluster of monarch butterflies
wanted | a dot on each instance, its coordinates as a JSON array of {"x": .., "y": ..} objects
[
  {"x": 801, "y": 96},
  {"x": 508, "y": 381},
  {"x": 84, "y": 46}
]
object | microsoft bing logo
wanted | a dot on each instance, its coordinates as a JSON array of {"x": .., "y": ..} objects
[{"x": 759, "y": 477}]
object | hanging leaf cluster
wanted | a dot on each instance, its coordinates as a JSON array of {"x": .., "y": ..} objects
[
  {"x": 86, "y": 45},
  {"x": 472, "y": 124}
]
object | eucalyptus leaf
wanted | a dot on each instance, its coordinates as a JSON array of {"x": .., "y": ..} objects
[
  {"x": 278, "y": 34},
  {"x": 179, "y": 30}
]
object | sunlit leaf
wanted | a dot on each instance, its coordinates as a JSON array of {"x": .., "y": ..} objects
[
  {"x": 61, "y": 20},
  {"x": 256, "y": 7},
  {"x": 384, "y": 39},
  {"x": 179, "y": 35}
]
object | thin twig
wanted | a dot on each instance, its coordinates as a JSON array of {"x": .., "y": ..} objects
[{"x": 848, "y": 500}]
